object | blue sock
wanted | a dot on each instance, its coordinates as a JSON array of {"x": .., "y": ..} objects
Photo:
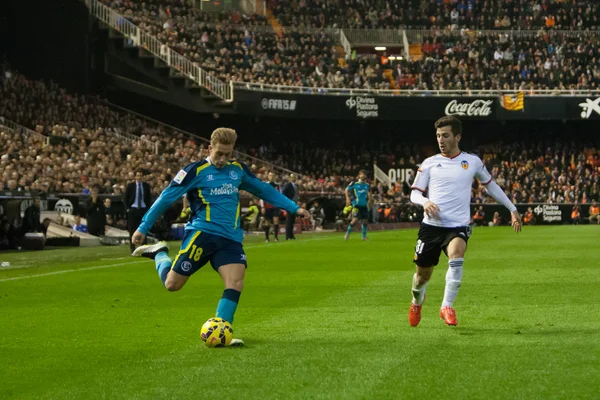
[
  {"x": 364, "y": 231},
  {"x": 349, "y": 229},
  {"x": 228, "y": 304},
  {"x": 163, "y": 265}
]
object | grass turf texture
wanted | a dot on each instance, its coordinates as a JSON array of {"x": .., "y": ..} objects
[{"x": 321, "y": 317}]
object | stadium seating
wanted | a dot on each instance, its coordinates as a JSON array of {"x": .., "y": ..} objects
[
  {"x": 449, "y": 56},
  {"x": 91, "y": 144},
  {"x": 529, "y": 14}
]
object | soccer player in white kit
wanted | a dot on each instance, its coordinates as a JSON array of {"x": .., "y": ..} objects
[{"x": 446, "y": 180}]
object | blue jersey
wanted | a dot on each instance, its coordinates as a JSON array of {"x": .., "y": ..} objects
[
  {"x": 213, "y": 195},
  {"x": 359, "y": 192}
]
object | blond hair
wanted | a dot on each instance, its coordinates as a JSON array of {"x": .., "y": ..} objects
[{"x": 223, "y": 136}]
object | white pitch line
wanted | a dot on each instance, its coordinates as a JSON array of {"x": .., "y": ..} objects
[{"x": 65, "y": 271}]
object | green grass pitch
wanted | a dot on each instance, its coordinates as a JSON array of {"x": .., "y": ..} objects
[{"x": 321, "y": 317}]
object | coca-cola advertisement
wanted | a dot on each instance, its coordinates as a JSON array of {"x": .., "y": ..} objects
[
  {"x": 470, "y": 108},
  {"x": 405, "y": 106}
]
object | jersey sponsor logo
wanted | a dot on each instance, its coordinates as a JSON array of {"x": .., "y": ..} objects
[
  {"x": 590, "y": 106},
  {"x": 233, "y": 175},
  {"x": 464, "y": 164},
  {"x": 180, "y": 176},
  {"x": 476, "y": 108},
  {"x": 186, "y": 266},
  {"x": 225, "y": 189}
]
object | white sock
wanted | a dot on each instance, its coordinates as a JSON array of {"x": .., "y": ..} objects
[
  {"x": 418, "y": 291},
  {"x": 453, "y": 280}
]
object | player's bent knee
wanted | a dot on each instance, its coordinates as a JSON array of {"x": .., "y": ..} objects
[
  {"x": 175, "y": 281},
  {"x": 173, "y": 286}
]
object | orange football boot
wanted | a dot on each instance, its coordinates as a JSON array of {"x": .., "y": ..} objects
[
  {"x": 414, "y": 314},
  {"x": 448, "y": 315}
]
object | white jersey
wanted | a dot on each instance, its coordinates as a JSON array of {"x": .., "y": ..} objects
[{"x": 447, "y": 182}]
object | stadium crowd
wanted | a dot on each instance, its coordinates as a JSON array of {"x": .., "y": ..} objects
[
  {"x": 84, "y": 151},
  {"x": 242, "y": 48},
  {"x": 87, "y": 147},
  {"x": 473, "y": 14}
]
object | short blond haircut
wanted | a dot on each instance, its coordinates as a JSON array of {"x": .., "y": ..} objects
[{"x": 223, "y": 136}]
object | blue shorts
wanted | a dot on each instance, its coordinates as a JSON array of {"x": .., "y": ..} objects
[
  {"x": 361, "y": 212},
  {"x": 198, "y": 248}
]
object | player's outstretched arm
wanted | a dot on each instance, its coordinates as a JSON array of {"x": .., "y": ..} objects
[
  {"x": 430, "y": 208},
  {"x": 179, "y": 185},
  {"x": 497, "y": 194},
  {"x": 263, "y": 190}
]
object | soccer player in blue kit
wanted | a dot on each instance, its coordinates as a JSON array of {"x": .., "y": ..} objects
[
  {"x": 361, "y": 198},
  {"x": 214, "y": 233}
]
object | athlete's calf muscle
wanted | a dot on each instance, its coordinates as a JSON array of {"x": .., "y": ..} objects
[{"x": 175, "y": 281}]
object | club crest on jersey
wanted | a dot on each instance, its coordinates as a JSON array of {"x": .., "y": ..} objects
[
  {"x": 464, "y": 164},
  {"x": 186, "y": 266},
  {"x": 233, "y": 175}
]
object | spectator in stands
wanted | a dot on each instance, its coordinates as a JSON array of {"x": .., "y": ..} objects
[
  {"x": 31, "y": 220},
  {"x": 497, "y": 220},
  {"x": 594, "y": 213},
  {"x": 78, "y": 226},
  {"x": 529, "y": 217},
  {"x": 251, "y": 217},
  {"x": 109, "y": 213},
  {"x": 45, "y": 224},
  {"x": 318, "y": 216},
  {"x": 96, "y": 213},
  {"x": 479, "y": 217},
  {"x": 575, "y": 215},
  {"x": 4, "y": 233}
]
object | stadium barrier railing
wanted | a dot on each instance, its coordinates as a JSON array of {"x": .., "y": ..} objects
[
  {"x": 265, "y": 87},
  {"x": 173, "y": 59},
  {"x": 241, "y": 156},
  {"x": 420, "y": 35},
  {"x": 129, "y": 138},
  {"x": 14, "y": 127}
]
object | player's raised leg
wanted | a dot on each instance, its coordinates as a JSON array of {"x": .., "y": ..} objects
[
  {"x": 456, "y": 252},
  {"x": 171, "y": 280}
]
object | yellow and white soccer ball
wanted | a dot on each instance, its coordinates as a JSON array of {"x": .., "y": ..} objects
[{"x": 216, "y": 332}]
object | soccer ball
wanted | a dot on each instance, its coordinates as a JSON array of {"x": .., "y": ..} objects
[{"x": 216, "y": 332}]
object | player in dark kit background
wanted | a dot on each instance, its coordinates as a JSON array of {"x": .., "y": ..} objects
[{"x": 270, "y": 212}]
